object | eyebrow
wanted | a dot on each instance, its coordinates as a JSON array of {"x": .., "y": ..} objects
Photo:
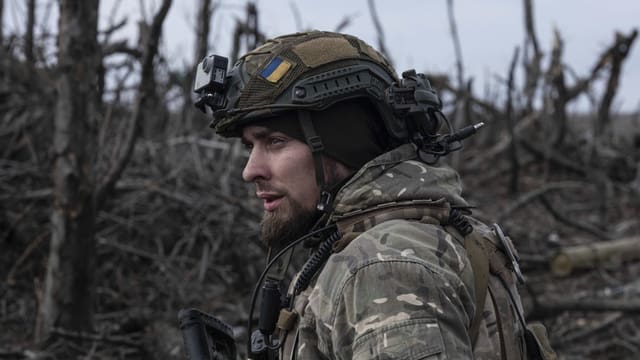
[
  {"x": 257, "y": 134},
  {"x": 260, "y": 134}
]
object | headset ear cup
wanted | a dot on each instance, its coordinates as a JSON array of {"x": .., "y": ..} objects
[
  {"x": 394, "y": 127},
  {"x": 425, "y": 123},
  {"x": 415, "y": 106},
  {"x": 436, "y": 120}
]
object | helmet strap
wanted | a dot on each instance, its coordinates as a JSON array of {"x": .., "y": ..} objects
[{"x": 315, "y": 144}]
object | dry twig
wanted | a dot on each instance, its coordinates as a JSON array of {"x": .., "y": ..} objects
[
  {"x": 382, "y": 47},
  {"x": 528, "y": 197}
]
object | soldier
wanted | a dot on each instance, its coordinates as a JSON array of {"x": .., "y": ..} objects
[{"x": 343, "y": 154}]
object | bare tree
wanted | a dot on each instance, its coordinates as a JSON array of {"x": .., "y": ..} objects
[
  {"x": 531, "y": 61},
  {"x": 462, "y": 101},
  {"x": 510, "y": 122},
  {"x": 615, "y": 56},
  {"x": 378, "y": 25},
  {"x": 68, "y": 292},
  {"x": 453, "y": 28},
  {"x": 202, "y": 30},
  {"x": 1, "y": 22},
  {"x": 78, "y": 191},
  {"x": 145, "y": 92},
  {"x": 247, "y": 32},
  {"x": 296, "y": 15},
  {"x": 557, "y": 93},
  {"x": 28, "y": 36}
]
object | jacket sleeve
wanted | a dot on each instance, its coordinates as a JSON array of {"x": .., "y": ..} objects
[{"x": 401, "y": 290}]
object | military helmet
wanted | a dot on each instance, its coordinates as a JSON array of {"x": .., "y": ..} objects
[
  {"x": 307, "y": 72},
  {"x": 303, "y": 71}
]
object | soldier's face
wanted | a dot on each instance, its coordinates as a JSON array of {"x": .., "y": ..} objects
[{"x": 283, "y": 171}]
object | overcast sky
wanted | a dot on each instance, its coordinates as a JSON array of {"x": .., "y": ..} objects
[{"x": 417, "y": 31}]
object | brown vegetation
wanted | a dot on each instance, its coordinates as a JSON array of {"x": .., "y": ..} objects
[{"x": 116, "y": 213}]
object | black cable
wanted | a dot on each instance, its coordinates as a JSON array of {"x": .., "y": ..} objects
[
  {"x": 315, "y": 262},
  {"x": 515, "y": 303},
  {"x": 254, "y": 295}
]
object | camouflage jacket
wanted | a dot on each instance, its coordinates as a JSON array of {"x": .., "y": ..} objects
[{"x": 400, "y": 289}]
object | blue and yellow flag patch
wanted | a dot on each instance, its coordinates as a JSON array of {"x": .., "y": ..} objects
[{"x": 276, "y": 70}]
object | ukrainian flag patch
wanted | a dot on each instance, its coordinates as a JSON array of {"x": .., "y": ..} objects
[{"x": 276, "y": 70}]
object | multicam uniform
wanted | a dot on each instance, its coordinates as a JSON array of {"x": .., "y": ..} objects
[{"x": 401, "y": 289}]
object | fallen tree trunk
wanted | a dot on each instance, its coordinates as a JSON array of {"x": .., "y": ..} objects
[{"x": 606, "y": 253}]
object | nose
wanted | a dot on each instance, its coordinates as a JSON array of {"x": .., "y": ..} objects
[{"x": 255, "y": 168}]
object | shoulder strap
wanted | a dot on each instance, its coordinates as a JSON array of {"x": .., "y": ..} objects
[
  {"x": 479, "y": 259},
  {"x": 480, "y": 264},
  {"x": 288, "y": 325},
  {"x": 352, "y": 224}
]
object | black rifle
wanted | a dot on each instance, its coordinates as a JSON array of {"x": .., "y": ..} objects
[{"x": 206, "y": 337}]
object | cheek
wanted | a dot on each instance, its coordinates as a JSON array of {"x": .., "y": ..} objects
[{"x": 303, "y": 187}]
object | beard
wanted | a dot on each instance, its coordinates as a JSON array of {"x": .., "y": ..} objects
[
  {"x": 286, "y": 224},
  {"x": 291, "y": 220}
]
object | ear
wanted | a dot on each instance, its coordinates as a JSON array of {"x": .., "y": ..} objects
[{"x": 335, "y": 171}]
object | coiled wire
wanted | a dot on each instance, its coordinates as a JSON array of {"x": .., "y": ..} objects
[
  {"x": 460, "y": 222},
  {"x": 315, "y": 262}
]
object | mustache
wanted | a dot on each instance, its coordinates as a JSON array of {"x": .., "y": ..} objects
[{"x": 262, "y": 186}]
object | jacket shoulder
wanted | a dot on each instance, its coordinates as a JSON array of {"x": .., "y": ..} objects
[{"x": 397, "y": 278}]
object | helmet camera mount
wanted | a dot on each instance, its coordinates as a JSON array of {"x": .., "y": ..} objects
[{"x": 210, "y": 81}]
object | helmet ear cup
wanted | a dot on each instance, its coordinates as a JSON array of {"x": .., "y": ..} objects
[
  {"x": 427, "y": 123},
  {"x": 415, "y": 106},
  {"x": 396, "y": 127}
]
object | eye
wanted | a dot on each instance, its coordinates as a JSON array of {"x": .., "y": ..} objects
[
  {"x": 276, "y": 140},
  {"x": 247, "y": 146}
]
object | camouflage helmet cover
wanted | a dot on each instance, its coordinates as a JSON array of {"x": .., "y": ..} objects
[{"x": 311, "y": 70}]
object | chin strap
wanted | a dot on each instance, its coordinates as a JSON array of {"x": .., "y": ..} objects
[{"x": 315, "y": 144}]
